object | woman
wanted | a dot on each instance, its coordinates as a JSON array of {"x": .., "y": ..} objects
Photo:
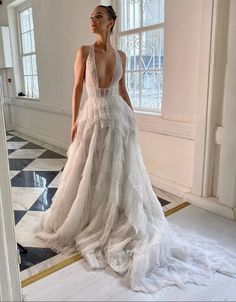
[
  {"x": 105, "y": 206},
  {"x": 105, "y": 60}
]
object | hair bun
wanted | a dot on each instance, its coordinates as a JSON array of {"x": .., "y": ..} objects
[{"x": 111, "y": 8}]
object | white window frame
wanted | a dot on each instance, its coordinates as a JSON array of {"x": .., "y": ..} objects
[
  {"x": 139, "y": 31},
  {"x": 19, "y": 9}
]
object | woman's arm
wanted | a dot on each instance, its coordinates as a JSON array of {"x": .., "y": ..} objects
[
  {"x": 122, "y": 87},
  {"x": 79, "y": 70}
]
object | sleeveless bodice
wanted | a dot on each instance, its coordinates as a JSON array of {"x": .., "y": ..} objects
[{"x": 91, "y": 77}]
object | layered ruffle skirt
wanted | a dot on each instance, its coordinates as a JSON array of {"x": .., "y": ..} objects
[{"x": 106, "y": 209}]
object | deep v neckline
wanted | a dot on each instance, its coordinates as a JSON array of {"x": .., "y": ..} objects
[{"x": 96, "y": 73}]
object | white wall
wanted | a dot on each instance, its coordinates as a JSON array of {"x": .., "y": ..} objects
[
  {"x": 61, "y": 27},
  {"x": 181, "y": 60},
  {"x": 3, "y": 14},
  {"x": 170, "y": 158}
]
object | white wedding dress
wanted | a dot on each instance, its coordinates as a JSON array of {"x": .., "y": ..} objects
[{"x": 106, "y": 209}]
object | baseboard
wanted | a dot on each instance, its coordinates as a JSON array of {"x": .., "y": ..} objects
[
  {"x": 168, "y": 185},
  {"x": 10, "y": 127},
  {"x": 42, "y": 139},
  {"x": 211, "y": 204}
]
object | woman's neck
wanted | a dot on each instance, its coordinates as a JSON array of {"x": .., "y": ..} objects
[{"x": 103, "y": 43}]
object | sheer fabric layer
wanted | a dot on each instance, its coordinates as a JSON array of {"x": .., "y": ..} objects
[{"x": 106, "y": 209}]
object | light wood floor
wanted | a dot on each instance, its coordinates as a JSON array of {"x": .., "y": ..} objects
[{"x": 77, "y": 283}]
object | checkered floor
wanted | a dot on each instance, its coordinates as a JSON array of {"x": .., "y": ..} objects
[{"x": 35, "y": 174}]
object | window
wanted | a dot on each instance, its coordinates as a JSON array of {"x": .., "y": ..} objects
[
  {"x": 141, "y": 36},
  {"x": 28, "y": 55}
]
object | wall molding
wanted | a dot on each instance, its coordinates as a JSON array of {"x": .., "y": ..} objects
[
  {"x": 41, "y": 139},
  {"x": 156, "y": 124},
  {"x": 211, "y": 204},
  {"x": 168, "y": 185},
  {"x": 146, "y": 121},
  {"x": 36, "y": 105}
]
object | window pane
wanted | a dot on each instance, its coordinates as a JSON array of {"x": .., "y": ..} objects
[
  {"x": 26, "y": 43},
  {"x": 31, "y": 86},
  {"x": 130, "y": 45},
  {"x": 24, "y": 21},
  {"x": 139, "y": 13},
  {"x": 35, "y": 87},
  {"x": 131, "y": 14},
  {"x": 28, "y": 86},
  {"x": 151, "y": 89},
  {"x": 27, "y": 67},
  {"x": 152, "y": 49},
  {"x": 28, "y": 46},
  {"x": 132, "y": 84},
  {"x": 32, "y": 41},
  {"x": 34, "y": 66},
  {"x": 153, "y": 12},
  {"x": 31, "y": 25}
]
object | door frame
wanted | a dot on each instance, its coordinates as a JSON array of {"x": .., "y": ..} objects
[{"x": 10, "y": 287}]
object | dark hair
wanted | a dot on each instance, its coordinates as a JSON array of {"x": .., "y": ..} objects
[{"x": 111, "y": 14}]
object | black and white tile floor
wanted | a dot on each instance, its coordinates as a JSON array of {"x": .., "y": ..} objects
[{"x": 35, "y": 174}]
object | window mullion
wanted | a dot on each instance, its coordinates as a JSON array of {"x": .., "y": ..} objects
[
  {"x": 28, "y": 54},
  {"x": 137, "y": 30}
]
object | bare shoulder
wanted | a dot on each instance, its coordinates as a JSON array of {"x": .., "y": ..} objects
[
  {"x": 82, "y": 52},
  {"x": 122, "y": 55}
]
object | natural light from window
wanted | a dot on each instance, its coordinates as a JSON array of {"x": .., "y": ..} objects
[
  {"x": 28, "y": 53},
  {"x": 141, "y": 36}
]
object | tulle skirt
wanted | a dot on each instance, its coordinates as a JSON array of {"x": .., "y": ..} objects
[{"x": 106, "y": 209}]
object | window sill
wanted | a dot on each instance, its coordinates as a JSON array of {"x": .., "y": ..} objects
[
  {"x": 26, "y": 98},
  {"x": 147, "y": 113}
]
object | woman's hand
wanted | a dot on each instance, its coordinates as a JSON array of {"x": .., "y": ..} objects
[{"x": 73, "y": 131}]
